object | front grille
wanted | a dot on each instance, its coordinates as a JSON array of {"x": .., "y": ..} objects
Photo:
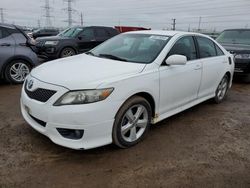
[
  {"x": 40, "y": 122},
  {"x": 42, "y": 95},
  {"x": 241, "y": 65}
]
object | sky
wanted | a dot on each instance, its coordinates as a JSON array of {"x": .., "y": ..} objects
[{"x": 156, "y": 14}]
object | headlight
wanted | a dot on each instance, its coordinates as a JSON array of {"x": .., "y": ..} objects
[
  {"x": 242, "y": 56},
  {"x": 54, "y": 43},
  {"x": 83, "y": 97}
]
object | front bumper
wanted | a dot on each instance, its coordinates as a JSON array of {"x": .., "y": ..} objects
[
  {"x": 47, "y": 52},
  {"x": 95, "y": 119},
  {"x": 242, "y": 67}
]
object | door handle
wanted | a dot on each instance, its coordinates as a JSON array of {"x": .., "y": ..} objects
[{"x": 5, "y": 44}]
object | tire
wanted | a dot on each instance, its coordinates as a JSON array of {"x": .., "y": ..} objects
[
  {"x": 134, "y": 126},
  {"x": 221, "y": 90},
  {"x": 67, "y": 52},
  {"x": 16, "y": 71}
]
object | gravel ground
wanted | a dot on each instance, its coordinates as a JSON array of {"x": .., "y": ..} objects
[{"x": 205, "y": 146}]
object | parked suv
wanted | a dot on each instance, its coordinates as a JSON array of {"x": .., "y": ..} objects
[
  {"x": 237, "y": 42},
  {"x": 16, "y": 54},
  {"x": 72, "y": 41},
  {"x": 44, "y": 33}
]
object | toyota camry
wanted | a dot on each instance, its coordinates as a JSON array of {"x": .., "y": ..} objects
[{"x": 113, "y": 93}]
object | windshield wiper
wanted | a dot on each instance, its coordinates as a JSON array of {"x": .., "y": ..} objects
[
  {"x": 90, "y": 53},
  {"x": 109, "y": 56}
]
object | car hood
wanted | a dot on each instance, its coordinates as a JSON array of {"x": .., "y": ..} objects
[
  {"x": 236, "y": 48},
  {"x": 84, "y": 71}
]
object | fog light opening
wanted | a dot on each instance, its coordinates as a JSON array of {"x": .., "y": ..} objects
[{"x": 71, "y": 133}]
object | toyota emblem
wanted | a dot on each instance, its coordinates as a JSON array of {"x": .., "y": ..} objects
[{"x": 30, "y": 84}]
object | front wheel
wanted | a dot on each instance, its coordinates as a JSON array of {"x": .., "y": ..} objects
[
  {"x": 222, "y": 89},
  {"x": 132, "y": 122},
  {"x": 16, "y": 71},
  {"x": 67, "y": 52}
]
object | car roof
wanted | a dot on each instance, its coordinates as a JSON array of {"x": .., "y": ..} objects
[
  {"x": 243, "y": 29},
  {"x": 165, "y": 32}
]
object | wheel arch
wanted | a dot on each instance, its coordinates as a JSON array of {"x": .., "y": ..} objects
[
  {"x": 146, "y": 96},
  {"x": 15, "y": 58},
  {"x": 68, "y": 46}
]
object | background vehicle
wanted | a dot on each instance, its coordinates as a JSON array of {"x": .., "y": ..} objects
[
  {"x": 130, "y": 81},
  {"x": 73, "y": 41},
  {"x": 16, "y": 55},
  {"x": 45, "y": 32},
  {"x": 123, "y": 29},
  {"x": 237, "y": 42}
]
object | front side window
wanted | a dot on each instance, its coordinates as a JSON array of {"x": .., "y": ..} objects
[
  {"x": 206, "y": 47},
  {"x": 137, "y": 48},
  {"x": 87, "y": 34},
  {"x": 101, "y": 33},
  {"x": 219, "y": 51},
  {"x": 184, "y": 46}
]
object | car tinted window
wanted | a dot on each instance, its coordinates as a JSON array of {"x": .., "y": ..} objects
[
  {"x": 3, "y": 33},
  {"x": 219, "y": 51},
  {"x": 206, "y": 47},
  {"x": 87, "y": 34},
  {"x": 235, "y": 37},
  {"x": 184, "y": 46},
  {"x": 101, "y": 32}
]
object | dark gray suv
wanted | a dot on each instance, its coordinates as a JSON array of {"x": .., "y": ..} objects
[{"x": 17, "y": 54}]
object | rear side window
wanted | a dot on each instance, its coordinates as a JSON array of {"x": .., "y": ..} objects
[
  {"x": 206, "y": 47},
  {"x": 101, "y": 33},
  {"x": 184, "y": 46}
]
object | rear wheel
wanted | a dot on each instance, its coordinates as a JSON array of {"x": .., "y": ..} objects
[
  {"x": 132, "y": 122},
  {"x": 67, "y": 52},
  {"x": 222, "y": 89},
  {"x": 16, "y": 71}
]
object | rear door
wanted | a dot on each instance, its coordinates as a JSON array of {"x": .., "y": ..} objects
[
  {"x": 213, "y": 60},
  {"x": 86, "y": 40},
  {"x": 7, "y": 46},
  {"x": 179, "y": 84}
]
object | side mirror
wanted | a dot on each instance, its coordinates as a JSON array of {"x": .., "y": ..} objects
[{"x": 176, "y": 60}]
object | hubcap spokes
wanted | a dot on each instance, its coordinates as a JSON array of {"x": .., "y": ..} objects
[
  {"x": 68, "y": 53},
  {"x": 134, "y": 123},
  {"x": 19, "y": 71},
  {"x": 222, "y": 89}
]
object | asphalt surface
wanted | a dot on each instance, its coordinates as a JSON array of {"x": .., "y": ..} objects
[{"x": 205, "y": 146}]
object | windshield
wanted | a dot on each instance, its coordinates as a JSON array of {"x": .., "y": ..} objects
[
  {"x": 71, "y": 32},
  {"x": 235, "y": 37},
  {"x": 138, "y": 48}
]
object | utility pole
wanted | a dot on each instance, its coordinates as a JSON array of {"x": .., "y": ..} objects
[
  {"x": 174, "y": 24},
  {"x": 81, "y": 19},
  {"x": 199, "y": 27},
  {"x": 39, "y": 23},
  {"x": 2, "y": 15},
  {"x": 48, "y": 16},
  {"x": 70, "y": 10}
]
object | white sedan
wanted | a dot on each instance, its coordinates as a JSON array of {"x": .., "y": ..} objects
[{"x": 113, "y": 93}]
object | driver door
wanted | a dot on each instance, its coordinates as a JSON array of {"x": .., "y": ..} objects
[{"x": 179, "y": 84}]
